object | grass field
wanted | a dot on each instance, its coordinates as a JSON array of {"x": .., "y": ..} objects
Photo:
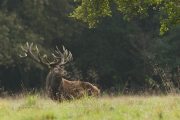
[{"x": 104, "y": 108}]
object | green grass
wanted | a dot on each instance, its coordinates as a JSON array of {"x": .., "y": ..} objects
[{"x": 104, "y": 108}]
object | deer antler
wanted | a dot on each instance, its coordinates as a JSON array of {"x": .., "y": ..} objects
[
  {"x": 59, "y": 58},
  {"x": 65, "y": 57}
]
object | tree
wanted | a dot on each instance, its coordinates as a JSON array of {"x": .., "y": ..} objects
[
  {"x": 91, "y": 11},
  {"x": 44, "y": 22},
  {"x": 141, "y": 44}
]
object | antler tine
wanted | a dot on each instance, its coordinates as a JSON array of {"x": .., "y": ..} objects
[
  {"x": 67, "y": 53},
  {"x": 39, "y": 56},
  {"x": 67, "y": 56},
  {"x": 42, "y": 59},
  {"x": 33, "y": 53},
  {"x": 25, "y": 50},
  {"x": 58, "y": 58},
  {"x": 58, "y": 51},
  {"x": 25, "y": 54},
  {"x": 61, "y": 58},
  {"x": 55, "y": 57},
  {"x": 70, "y": 56},
  {"x": 27, "y": 44},
  {"x": 37, "y": 50},
  {"x": 30, "y": 47},
  {"x": 46, "y": 59},
  {"x": 22, "y": 56}
]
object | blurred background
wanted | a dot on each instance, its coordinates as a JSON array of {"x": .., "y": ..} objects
[{"x": 118, "y": 55}]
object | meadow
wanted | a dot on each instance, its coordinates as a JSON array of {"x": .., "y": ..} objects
[{"x": 35, "y": 107}]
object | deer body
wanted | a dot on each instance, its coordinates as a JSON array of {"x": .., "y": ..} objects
[
  {"x": 56, "y": 86},
  {"x": 78, "y": 89}
]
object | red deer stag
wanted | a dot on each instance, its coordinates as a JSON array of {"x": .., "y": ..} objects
[{"x": 57, "y": 87}]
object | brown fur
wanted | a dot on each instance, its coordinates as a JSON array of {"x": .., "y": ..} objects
[
  {"x": 77, "y": 89},
  {"x": 59, "y": 88},
  {"x": 56, "y": 86}
]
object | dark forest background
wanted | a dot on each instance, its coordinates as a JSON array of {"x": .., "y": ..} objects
[{"x": 117, "y": 55}]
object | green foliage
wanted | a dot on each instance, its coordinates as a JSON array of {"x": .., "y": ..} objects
[
  {"x": 90, "y": 11},
  {"x": 13, "y": 33},
  {"x": 170, "y": 15},
  {"x": 43, "y": 22}
]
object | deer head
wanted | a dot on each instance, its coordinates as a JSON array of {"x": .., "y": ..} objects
[{"x": 55, "y": 63}]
